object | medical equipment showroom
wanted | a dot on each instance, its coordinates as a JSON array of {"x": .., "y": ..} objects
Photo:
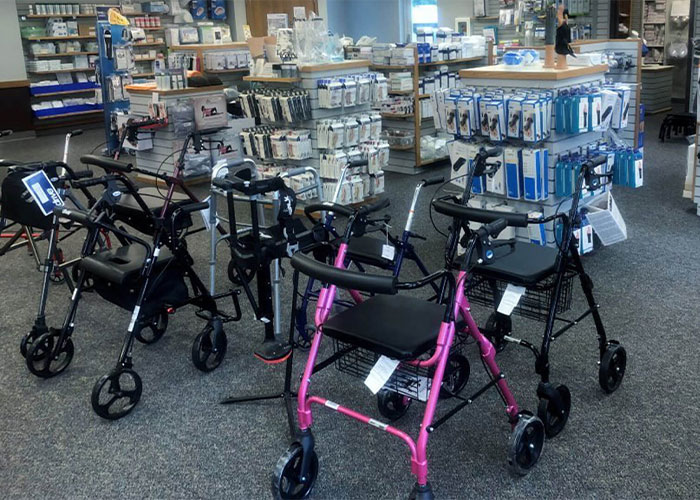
[{"x": 349, "y": 249}]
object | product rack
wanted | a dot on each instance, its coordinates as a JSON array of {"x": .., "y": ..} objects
[
  {"x": 504, "y": 77},
  {"x": 228, "y": 76},
  {"x": 408, "y": 160}
]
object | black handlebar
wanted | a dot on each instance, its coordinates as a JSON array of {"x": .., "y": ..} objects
[
  {"x": 75, "y": 215},
  {"x": 6, "y": 132},
  {"x": 83, "y": 174},
  {"x": 431, "y": 181},
  {"x": 76, "y": 132},
  {"x": 107, "y": 163},
  {"x": 494, "y": 228},
  {"x": 328, "y": 207},
  {"x": 358, "y": 163},
  {"x": 194, "y": 207},
  {"x": 373, "y": 207}
]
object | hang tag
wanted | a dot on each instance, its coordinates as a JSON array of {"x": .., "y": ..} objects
[
  {"x": 510, "y": 299},
  {"x": 380, "y": 373},
  {"x": 43, "y": 192},
  {"x": 388, "y": 252},
  {"x": 205, "y": 215}
]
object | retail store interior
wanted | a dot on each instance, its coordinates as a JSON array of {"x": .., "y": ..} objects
[{"x": 349, "y": 249}]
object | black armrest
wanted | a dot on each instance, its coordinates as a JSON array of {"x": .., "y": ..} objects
[{"x": 343, "y": 278}]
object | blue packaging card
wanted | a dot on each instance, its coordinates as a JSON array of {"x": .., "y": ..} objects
[
  {"x": 514, "y": 173},
  {"x": 560, "y": 115},
  {"x": 559, "y": 177},
  {"x": 531, "y": 160},
  {"x": 545, "y": 173}
]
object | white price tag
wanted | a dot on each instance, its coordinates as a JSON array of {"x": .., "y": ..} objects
[
  {"x": 388, "y": 252},
  {"x": 510, "y": 299},
  {"x": 380, "y": 373}
]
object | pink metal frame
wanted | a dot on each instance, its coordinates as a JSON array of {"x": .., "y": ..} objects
[{"x": 419, "y": 462}]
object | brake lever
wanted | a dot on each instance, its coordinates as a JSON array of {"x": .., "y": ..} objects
[{"x": 418, "y": 236}]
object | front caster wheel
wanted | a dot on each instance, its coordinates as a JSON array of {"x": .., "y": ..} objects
[
  {"x": 151, "y": 330},
  {"x": 525, "y": 444},
  {"x": 553, "y": 418},
  {"x": 287, "y": 480},
  {"x": 116, "y": 394},
  {"x": 612, "y": 367},
  {"x": 497, "y": 327},
  {"x": 208, "y": 349},
  {"x": 392, "y": 405},
  {"x": 46, "y": 359},
  {"x": 28, "y": 340},
  {"x": 456, "y": 375},
  {"x": 57, "y": 275}
]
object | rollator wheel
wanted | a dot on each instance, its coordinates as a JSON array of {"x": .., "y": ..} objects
[
  {"x": 554, "y": 421},
  {"x": 392, "y": 405},
  {"x": 40, "y": 360},
  {"x": 248, "y": 273},
  {"x": 75, "y": 274},
  {"x": 28, "y": 340},
  {"x": 497, "y": 327},
  {"x": 304, "y": 344},
  {"x": 287, "y": 481},
  {"x": 116, "y": 394},
  {"x": 525, "y": 444},
  {"x": 56, "y": 275},
  {"x": 612, "y": 367},
  {"x": 207, "y": 352},
  {"x": 456, "y": 375},
  {"x": 151, "y": 330}
]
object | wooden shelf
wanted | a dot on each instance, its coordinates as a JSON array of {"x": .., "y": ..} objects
[
  {"x": 397, "y": 115},
  {"x": 434, "y": 160},
  {"x": 536, "y": 73},
  {"x": 64, "y": 92},
  {"x": 210, "y": 46},
  {"x": 150, "y": 28},
  {"x": 218, "y": 71},
  {"x": 91, "y": 112},
  {"x": 453, "y": 61},
  {"x": 147, "y": 59},
  {"x": 47, "y": 16},
  {"x": 74, "y": 70},
  {"x": 389, "y": 67},
  {"x": 403, "y": 148},
  {"x": 77, "y": 37},
  {"x": 349, "y": 64},
  {"x": 143, "y": 75},
  {"x": 138, "y": 90},
  {"x": 400, "y": 92},
  {"x": 63, "y": 54},
  {"x": 147, "y": 44},
  {"x": 271, "y": 79},
  {"x": 423, "y": 96}
]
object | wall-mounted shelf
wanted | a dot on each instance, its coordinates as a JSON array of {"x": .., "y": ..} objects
[
  {"x": 400, "y": 92},
  {"x": 143, "y": 75},
  {"x": 210, "y": 46},
  {"x": 147, "y": 44},
  {"x": 271, "y": 79},
  {"x": 64, "y": 115},
  {"x": 49, "y": 38},
  {"x": 236, "y": 70},
  {"x": 73, "y": 70},
  {"x": 66, "y": 92},
  {"x": 397, "y": 115},
  {"x": 48, "y": 16},
  {"x": 63, "y": 54}
]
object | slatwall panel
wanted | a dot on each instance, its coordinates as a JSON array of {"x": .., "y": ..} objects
[{"x": 601, "y": 24}]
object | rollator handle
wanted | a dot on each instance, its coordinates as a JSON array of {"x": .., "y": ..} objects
[
  {"x": 431, "y": 181},
  {"x": 223, "y": 184},
  {"x": 194, "y": 207},
  {"x": 75, "y": 215},
  {"x": 373, "y": 207},
  {"x": 328, "y": 207},
  {"x": 83, "y": 174},
  {"x": 106, "y": 163},
  {"x": 494, "y": 228},
  {"x": 76, "y": 132},
  {"x": 357, "y": 163},
  {"x": 99, "y": 181}
]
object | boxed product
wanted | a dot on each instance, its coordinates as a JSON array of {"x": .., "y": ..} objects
[
  {"x": 209, "y": 112},
  {"x": 515, "y": 117},
  {"x": 496, "y": 182},
  {"x": 514, "y": 172},
  {"x": 497, "y": 121},
  {"x": 533, "y": 177},
  {"x": 465, "y": 118},
  {"x": 531, "y": 120}
]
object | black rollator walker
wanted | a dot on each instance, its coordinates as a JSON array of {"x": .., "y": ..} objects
[
  {"x": 146, "y": 278},
  {"x": 547, "y": 276}
]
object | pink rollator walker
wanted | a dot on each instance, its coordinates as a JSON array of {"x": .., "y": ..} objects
[{"x": 418, "y": 334}]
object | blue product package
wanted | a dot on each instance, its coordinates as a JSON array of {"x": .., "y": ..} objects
[
  {"x": 545, "y": 173},
  {"x": 559, "y": 177},
  {"x": 531, "y": 160},
  {"x": 217, "y": 9},
  {"x": 198, "y": 9},
  {"x": 514, "y": 173},
  {"x": 560, "y": 114}
]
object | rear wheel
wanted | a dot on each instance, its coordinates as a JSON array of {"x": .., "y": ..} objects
[
  {"x": 392, "y": 405},
  {"x": 209, "y": 349},
  {"x": 497, "y": 327},
  {"x": 456, "y": 375},
  {"x": 612, "y": 367},
  {"x": 287, "y": 480},
  {"x": 151, "y": 330},
  {"x": 525, "y": 445}
]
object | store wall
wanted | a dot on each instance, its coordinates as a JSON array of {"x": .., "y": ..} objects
[
  {"x": 448, "y": 10},
  {"x": 376, "y": 18},
  {"x": 12, "y": 57}
]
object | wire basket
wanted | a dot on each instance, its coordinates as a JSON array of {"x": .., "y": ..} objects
[
  {"x": 534, "y": 304},
  {"x": 408, "y": 380}
]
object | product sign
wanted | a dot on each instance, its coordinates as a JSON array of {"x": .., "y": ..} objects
[{"x": 43, "y": 192}]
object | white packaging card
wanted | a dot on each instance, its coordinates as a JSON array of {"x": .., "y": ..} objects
[
  {"x": 388, "y": 252},
  {"x": 380, "y": 373},
  {"x": 510, "y": 299}
]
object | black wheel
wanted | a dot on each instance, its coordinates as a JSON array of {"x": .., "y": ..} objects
[
  {"x": 75, "y": 274},
  {"x": 612, "y": 367},
  {"x": 456, "y": 375},
  {"x": 208, "y": 352},
  {"x": 43, "y": 360},
  {"x": 116, "y": 394},
  {"x": 151, "y": 330},
  {"x": 304, "y": 344},
  {"x": 287, "y": 481},
  {"x": 248, "y": 273},
  {"x": 29, "y": 339},
  {"x": 555, "y": 420},
  {"x": 497, "y": 327},
  {"x": 57, "y": 275},
  {"x": 525, "y": 444},
  {"x": 392, "y": 405}
]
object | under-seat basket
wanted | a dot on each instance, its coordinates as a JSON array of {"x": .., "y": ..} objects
[{"x": 408, "y": 380}]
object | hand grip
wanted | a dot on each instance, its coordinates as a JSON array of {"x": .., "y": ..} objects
[
  {"x": 194, "y": 207},
  {"x": 76, "y": 132},
  {"x": 328, "y": 207},
  {"x": 224, "y": 184},
  {"x": 357, "y": 163},
  {"x": 6, "y": 132},
  {"x": 83, "y": 174},
  {"x": 106, "y": 163},
  {"x": 99, "y": 181},
  {"x": 374, "y": 207},
  {"x": 597, "y": 161},
  {"x": 431, "y": 181},
  {"x": 75, "y": 215},
  {"x": 495, "y": 227}
]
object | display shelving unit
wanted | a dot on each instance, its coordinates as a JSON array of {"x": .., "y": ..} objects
[
  {"x": 409, "y": 160},
  {"x": 503, "y": 77},
  {"x": 228, "y": 76}
]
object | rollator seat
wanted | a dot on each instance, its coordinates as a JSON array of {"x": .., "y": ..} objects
[
  {"x": 523, "y": 264},
  {"x": 121, "y": 265},
  {"x": 366, "y": 250},
  {"x": 397, "y": 326},
  {"x": 129, "y": 211}
]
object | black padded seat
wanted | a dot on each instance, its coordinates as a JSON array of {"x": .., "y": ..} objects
[
  {"x": 366, "y": 250},
  {"x": 524, "y": 264},
  {"x": 397, "y": 326},
  {"x": 129, "y": 211},
  {"x": 123, "y": 264}
]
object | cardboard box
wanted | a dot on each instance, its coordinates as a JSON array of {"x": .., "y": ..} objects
[{"x": 210, "y": 112}]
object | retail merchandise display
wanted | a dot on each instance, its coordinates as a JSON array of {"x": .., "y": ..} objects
[{"x": 277, "y": 105}]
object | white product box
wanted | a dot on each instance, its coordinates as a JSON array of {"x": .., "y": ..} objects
[
  {"x": 496, "y": 183},
  {"x": 497, "y": 120},
  {"x": 537, "y": 232},
  {"x": 451, "y": 125},
  {"x": 465, "y": 118},
  {"x": 515, "y": 117},
  {"x": 531, "y": 120}
]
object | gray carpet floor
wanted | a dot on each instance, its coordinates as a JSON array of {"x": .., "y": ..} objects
[{"x": 640, "y": 442}]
